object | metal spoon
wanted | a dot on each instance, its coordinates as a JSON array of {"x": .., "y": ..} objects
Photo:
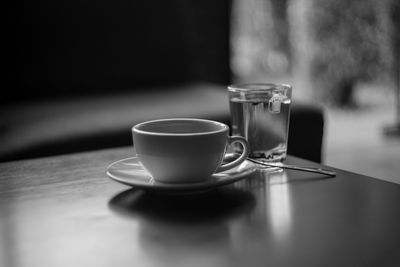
[{"x": 297, "y": 168}]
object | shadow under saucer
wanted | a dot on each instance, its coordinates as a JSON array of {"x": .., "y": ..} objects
[{"x": 212, "y": 205}]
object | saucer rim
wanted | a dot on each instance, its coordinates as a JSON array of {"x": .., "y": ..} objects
[{"x": 213, "y": 181}]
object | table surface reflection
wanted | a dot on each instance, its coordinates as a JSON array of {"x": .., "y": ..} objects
[{"x": 64, "y": 211}]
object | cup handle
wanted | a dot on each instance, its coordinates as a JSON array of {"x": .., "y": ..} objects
[{"x": 243, "y": 156}]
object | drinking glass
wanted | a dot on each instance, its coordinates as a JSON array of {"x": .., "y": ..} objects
[{"x": 260, "y": 113}]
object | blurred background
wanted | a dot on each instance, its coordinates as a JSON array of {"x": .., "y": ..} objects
[
  {"x": 79, "y": 74},
  {"x": 340, "y": 54}
]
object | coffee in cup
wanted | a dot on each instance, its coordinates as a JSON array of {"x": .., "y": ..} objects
[{"x": 184, "y": 150}]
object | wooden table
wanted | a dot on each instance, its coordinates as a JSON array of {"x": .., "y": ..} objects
[{"x": 64, "y": 211}]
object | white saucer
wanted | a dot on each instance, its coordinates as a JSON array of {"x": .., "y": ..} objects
[{"x": 130, "y": 172}]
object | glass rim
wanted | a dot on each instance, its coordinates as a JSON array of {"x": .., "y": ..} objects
[{"x": 257, "y": 87}]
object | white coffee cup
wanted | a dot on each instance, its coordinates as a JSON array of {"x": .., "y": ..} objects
[{"x": 184, "y": 150}]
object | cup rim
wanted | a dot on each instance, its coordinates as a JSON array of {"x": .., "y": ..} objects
[
  {"x": 245, "y": 87},
  {"x": 136, "y": 128}
]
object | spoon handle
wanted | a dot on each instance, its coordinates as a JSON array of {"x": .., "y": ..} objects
[{"x": 297, "y": 168}]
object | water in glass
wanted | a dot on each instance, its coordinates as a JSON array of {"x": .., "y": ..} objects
[{"x": 263, "y": 119}]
